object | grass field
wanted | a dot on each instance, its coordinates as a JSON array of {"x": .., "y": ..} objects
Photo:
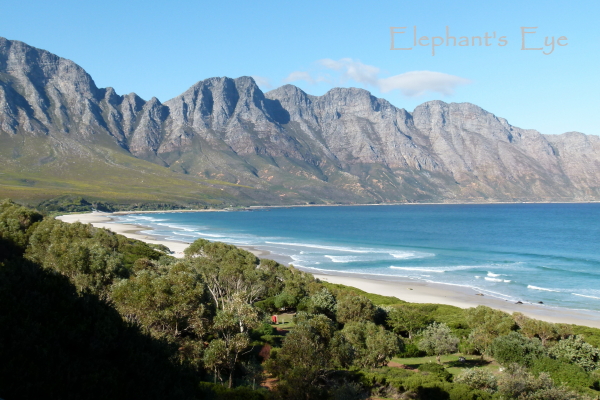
[{"x": 34, "y": 172}]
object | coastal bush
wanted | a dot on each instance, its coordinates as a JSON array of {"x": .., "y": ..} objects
[
  {"x": 575, "y": 350},
  {"x": 427, "y": 386},
  {"x": 478, "y": 378},
  {"x": 305, "y": 358},
  {"x": 437, "y": 370},
  {"x": 16, "y": 226},
  {"x": 487, "y": 324},
  {"x": 411, "y": 350},
  {"x": 517, "y": 382},
  {"x": 516, "y": 348},
  {"x": 211, "y": 391},
  {"x": 373, "y": 346},
  {"x": 562, "y": 373},
  {"x": 407, "y": 319},
  {"x": 438, "y": 340},
  {"x": 176, "y": 322},
  {"x": 464, "y": 392},
  {"x": 452, "y": 316},
  {"x": 58, "y": 343},
  {"x": 531, "y": 328},
  {"x": 323, "y": 302},
  {"x": 588, "y": 334},
  {"x": 377, "y": 299},
  {"x": 354, "y": 308},
  {"x": 168, "y": 302}
]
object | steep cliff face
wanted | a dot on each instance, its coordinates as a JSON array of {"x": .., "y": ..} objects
[{"x": 344, "y": 146}]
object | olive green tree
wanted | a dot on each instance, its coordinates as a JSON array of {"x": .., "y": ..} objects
[{"x": 438, "y": 340}]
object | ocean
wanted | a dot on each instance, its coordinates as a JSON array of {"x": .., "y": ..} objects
[{"x": 516, "y": 252}]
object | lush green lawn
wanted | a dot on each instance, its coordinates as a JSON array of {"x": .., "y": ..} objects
[{"x": 284, "y": 321}]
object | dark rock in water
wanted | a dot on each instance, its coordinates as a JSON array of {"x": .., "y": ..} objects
[
  {"x": 540, "y": 302},
  {"x": 519, "y": 302}
]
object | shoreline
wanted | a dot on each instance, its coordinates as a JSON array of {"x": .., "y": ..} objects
[{"x": 406, "y": 289}]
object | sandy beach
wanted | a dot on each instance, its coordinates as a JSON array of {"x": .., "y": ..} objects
[
  {"x": 405, "y": 289},
  {"x": 102, "y": 220}
]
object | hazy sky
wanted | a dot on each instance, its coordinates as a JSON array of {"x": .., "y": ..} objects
[{"x": 162, "y": 48}]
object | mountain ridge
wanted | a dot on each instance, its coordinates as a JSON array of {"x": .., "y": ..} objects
[{"x": 286, "y": 146}]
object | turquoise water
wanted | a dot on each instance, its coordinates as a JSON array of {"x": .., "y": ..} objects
[{"x": 526, "y": 252}]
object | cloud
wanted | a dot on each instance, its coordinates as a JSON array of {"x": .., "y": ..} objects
[
  {"x": 417, "y": 83},
  {"x": 262, "y": 81},
  {"x": 352, "y": 69},
  {"x": 300, "y": 76},
  {"x": 411, "y": 84}
]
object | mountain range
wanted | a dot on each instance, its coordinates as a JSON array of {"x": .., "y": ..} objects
[{"x": 224, "y": 141}]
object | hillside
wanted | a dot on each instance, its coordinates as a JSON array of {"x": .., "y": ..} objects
[{"x": 224, "y": 141}]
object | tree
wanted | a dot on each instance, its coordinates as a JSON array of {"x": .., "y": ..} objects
[
  {"x": 231, "y": 326},
  {"x": 16, "y": 226},
  {"x": 304, "y": 360},
  {"x": 536, "y": 328},
  {"x": 407, "y": 318},
  {"x": 516, "y": 348},
  {"x": 438, "y": 340},
  {"x": 169, "y": 302},
  {"x": 322, "y": 302},
  {"x": 351, "y": 307},
  {"x": 227, "y": 271},
  {"x": 487, "y": 325},
  {"x": 373, "y": 346}
]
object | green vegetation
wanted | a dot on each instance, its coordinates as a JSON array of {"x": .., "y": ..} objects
[
  {"x": 103, "y": 173},
  {"x": 86, "y": 313}
]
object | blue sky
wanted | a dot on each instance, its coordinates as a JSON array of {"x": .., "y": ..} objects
[{"x": 162, "y": 48}]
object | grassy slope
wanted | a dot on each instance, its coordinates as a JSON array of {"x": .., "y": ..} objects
[{"x": 34, "y": 169}]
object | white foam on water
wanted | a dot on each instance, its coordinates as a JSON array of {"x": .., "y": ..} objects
[
  {"x": 583, "y": 295},
  {"x": 541, "y": 288},
  {"x": 316, "y": 246},
  {"x": 397, "y": 254},
  {"x": 405, "y": 255},
  {"x": 421, "y": 269},
  {"x": 343, "y": 259},
  {"x": 487, "y": 278},
  {"x": 493, "y": 275},
  {"x": 438, "y": 269},
  {"x": 214, "y": 235}
]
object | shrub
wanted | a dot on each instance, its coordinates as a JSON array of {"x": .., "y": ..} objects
[
  {"x": 353, "y": 308},
  {"x": 464, "y": 392},
  {"x": 575, "y": 350},
  {"x": 516, "y": 348},
  {"x": 562, "y": 373},
  {"x": 479, "y": 379},
  {"x": 411, "y": 350},
  {"x": 437, "y": 340},
  {"x": 436, "y": 369}
]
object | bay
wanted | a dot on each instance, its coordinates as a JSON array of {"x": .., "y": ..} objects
[{"x": 516, "y": 252}]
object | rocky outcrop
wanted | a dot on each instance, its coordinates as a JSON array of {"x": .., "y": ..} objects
[{"x": 344, "y": 146}]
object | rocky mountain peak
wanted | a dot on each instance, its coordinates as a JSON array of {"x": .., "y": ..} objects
[{"x": 346, "y": 145}]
